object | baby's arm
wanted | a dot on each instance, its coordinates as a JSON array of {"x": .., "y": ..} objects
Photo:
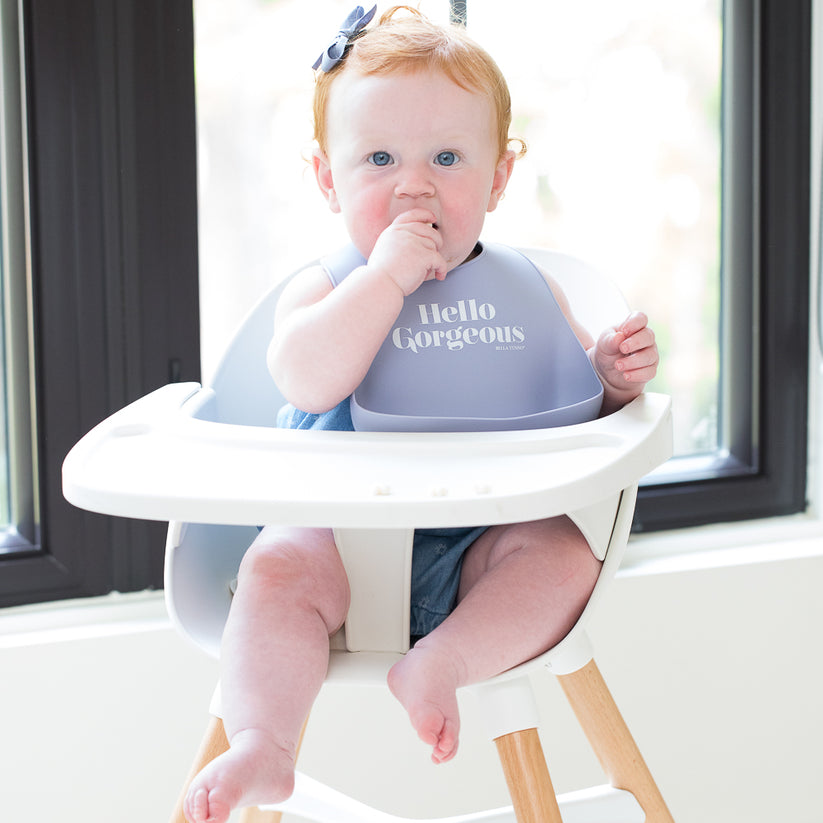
[{"x": 325, "y": 338}]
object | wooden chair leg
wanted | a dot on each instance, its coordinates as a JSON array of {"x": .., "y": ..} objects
[
  {"x": 214, "y": 744},
  {"x": 527, "y": 777},
  {"x": 611, "y": 740}
]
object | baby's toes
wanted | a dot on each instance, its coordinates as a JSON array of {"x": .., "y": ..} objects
[
  {"x": 204, "y": 806},
  {"x": 196, "y": 806},
  {"x": 446, "y": 747}
]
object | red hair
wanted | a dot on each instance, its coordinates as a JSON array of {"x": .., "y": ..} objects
[{"x": 409, "y": 43}]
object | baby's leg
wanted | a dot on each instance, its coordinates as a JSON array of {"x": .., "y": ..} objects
[
  {"x": 292, "y": 594},
  {"x": 522, "y": 588}
]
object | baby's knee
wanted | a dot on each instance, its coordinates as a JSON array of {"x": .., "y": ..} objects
[
  {"x": 555, "y": 546},
  {"x": 287, "y": 554},
  {"x": 270, "y": 559},
  {"x": 303, "y": 561}
]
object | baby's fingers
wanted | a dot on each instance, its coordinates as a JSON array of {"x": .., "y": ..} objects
[
  {"x": 636, "y": 321},
  {"x": 640, "y": 366},
  {"x": 642, "y": 376},
  {"x": 635, "y": 341},
  {"x": 416, "y": 215},
  {"x": 610, "y": 343}
]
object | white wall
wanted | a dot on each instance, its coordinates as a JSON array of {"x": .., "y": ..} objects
[{"x": 718, "y": 672}]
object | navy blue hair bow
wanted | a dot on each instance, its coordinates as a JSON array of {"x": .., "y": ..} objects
[{"x": 334, "y": 53}]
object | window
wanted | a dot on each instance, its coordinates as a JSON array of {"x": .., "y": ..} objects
[
  {"x": 100, "y": 292},
  {"x": 668, "y": 145},
  {"x": 620, "y": 103},
  {"x": 99, "y": 174},
  {"x": 758, "y": 467}
]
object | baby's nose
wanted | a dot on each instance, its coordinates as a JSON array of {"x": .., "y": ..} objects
[{"x": 414, "y": 183}]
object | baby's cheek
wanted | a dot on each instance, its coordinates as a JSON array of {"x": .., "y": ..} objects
[{"x": 365, "y": 227}]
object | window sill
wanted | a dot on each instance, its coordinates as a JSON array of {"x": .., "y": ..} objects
[
  {"x": 83, "y": 619},
  {"x": 685, "y": 550},
  {"x": 723, "y": 545}
]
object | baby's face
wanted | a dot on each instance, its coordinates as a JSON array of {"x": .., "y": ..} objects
[{"x": 404, "y": 141}]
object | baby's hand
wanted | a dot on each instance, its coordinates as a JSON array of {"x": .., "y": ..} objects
[
  {"x": 408, "y": 250},
  {"x": 626, "y": 356}
]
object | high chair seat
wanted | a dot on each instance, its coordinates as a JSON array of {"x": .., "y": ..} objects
[{"x": 208, "y": 460}]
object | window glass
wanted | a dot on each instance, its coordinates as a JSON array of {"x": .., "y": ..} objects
[
  {"x": 4, "y": 437},
  {"x": 4, "y": 440},
  {"x": 617, "y": 101},
  {"x": 16, "y": 471}
]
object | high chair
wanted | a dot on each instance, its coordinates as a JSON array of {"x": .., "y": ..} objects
[{"x": 208, "y": 460}]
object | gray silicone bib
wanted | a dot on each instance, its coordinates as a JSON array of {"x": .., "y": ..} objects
[{"x": 488, "y": 348}]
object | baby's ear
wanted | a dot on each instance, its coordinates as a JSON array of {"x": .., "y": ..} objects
[
  {"x": 502, "y": 173},
  {"x": 322, "y": 173}
]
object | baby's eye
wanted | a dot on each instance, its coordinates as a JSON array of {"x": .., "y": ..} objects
[
  {"x": 446, "y": 158},
  {"x": 380, "y": 158}
]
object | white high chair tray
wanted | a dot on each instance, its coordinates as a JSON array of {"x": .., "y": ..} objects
[{"x": 162, "y": 458}]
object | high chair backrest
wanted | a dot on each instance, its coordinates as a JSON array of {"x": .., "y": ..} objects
[{"x": 245, "y": 393}]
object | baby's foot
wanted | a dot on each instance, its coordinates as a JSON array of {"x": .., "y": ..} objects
[
  {"x": 254, "y": 770},
  {"x": 425, "y": 682}
]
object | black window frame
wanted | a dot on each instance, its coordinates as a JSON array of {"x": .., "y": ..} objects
[
  {"x": 113, "y": 194},
  {"x": 765, "y": 279},
  {"x": 113, "y": 224}
]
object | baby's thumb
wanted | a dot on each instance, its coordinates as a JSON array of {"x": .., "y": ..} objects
[{"x": 610, "y": 340}]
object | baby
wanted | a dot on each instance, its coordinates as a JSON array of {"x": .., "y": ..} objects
[{"x": 413, "y": 149}]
